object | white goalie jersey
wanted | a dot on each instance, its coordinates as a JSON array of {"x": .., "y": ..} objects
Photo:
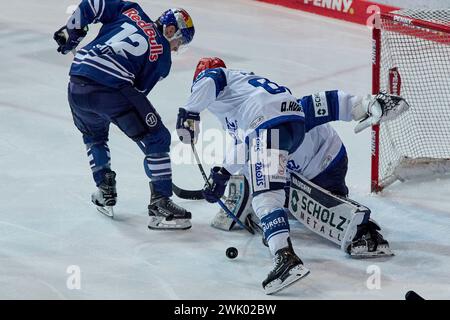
[{"x": 242, "y": 101}]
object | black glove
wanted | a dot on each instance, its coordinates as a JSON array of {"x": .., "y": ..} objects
[
  {"x": 69, "y": 39},
  {"x": 188, "y": 126},
  {"x": 217, "y": 183}
]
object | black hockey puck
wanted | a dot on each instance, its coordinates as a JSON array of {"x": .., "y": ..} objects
[{"x": 232, "y": 252}]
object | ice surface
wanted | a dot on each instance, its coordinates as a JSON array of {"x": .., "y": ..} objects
[{"x": 48, "y": 224}]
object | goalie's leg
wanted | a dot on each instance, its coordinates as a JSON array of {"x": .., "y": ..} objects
[{"x": 368, "y": 241}]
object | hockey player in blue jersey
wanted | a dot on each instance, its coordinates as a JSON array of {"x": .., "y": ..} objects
[
  {"x": 269, "y": 124},
  {"x": 109, "y": 80}
]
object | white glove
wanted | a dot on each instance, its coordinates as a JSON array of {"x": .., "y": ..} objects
[{"x": 372, "y": 110}]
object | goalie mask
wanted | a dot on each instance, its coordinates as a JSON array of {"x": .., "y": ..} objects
[{"x": 208, "y": 63}]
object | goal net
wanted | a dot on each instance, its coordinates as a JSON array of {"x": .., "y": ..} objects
[{"x": 411, "y": 58}]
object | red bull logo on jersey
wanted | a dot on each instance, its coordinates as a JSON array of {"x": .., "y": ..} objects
[{"x": 155, "y": 48}]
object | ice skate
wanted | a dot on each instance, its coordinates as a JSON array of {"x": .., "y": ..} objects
[
  {"x": 166, "y": 215},
  {"x": 288, "y": 268},
  {"x": 369, "y": 243},
  {"x": 105, "y": 198}
]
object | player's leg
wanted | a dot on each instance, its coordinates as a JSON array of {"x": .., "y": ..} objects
[
  {"x": 268, "y": 154},
  {"x": 143, "y": 124},
  {"x": 95, "y": 129}
]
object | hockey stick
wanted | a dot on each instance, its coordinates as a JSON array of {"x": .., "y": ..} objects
[
  {"x": 222, "y": 205},
  {"x": 412, "y": 296},
  {"x": 187, "y": 194}
]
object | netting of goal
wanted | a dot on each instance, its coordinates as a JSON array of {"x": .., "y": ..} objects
[{"x": 411, "y": 57}]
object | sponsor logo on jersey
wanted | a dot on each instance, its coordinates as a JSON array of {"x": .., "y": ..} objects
[
  {"x": 277, "y": 222},
  {"x": 151, "y": 119},
  {"x": 320, "y": 104},
  {"x": 256, "y": 122},
  {"x": 292, "y": 106},
  {"x": 155, "y": 48},
  {"x": 257, "y": 144},
  {"x": 344, "y": 6},
  {"x": 259, "y": 175},
  {"x": 232, "y": 127}
]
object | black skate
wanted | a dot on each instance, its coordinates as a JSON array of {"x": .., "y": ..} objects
[
  {"x": 288, "y": 269},
  {"x": 106, "y": 195},
  {"x": 369, "y": 243},
  {"x": 166, "y": 215}
]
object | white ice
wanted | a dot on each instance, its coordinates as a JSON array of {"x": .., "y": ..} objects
[{"x": 47, "y": 222}]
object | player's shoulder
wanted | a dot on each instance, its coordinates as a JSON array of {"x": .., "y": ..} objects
[
  {"x": 212, "y": 74},
  {"x": 134, "y": 11}
]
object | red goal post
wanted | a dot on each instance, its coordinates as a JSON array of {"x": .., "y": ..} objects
[{"x": 411, "y": 58}]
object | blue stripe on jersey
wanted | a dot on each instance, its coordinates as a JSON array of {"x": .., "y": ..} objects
[
  {"x": 217, "y": 75},
  {"x": 101, "y": 66},
  {"x": 342, "y": 152},
  {"x": 320, "y": 108},
  {"x": 276, "y": 121}
]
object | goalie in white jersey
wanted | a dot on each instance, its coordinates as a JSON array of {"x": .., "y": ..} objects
[{"x": 269, "y": 124}]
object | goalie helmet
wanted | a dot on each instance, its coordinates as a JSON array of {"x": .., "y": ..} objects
[
  {"x": 208, "y": 63},
  {"x": 182, "y": 21}
]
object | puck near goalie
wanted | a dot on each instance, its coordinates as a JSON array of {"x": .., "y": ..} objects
[{"x": 271, "y": 130}]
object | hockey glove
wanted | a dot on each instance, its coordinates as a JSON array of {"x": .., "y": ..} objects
[
  {"x": 217, "y": 183},
  {"x": 69, "y": 39},
  {"x": 188, "y": 126},
  {"x": 375, "y": 109}
]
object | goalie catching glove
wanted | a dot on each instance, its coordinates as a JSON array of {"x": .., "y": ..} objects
[
  {"x": 379, "y": 108},
  {"x": 188, "y": 126}
]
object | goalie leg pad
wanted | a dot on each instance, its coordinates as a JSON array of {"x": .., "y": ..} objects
[{"x": 330, "y": 216}]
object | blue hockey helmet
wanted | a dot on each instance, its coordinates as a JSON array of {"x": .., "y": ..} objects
[{"x": 182, "y": 21}]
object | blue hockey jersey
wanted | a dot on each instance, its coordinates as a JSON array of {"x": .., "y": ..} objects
[{"x": 129, "y": 50}]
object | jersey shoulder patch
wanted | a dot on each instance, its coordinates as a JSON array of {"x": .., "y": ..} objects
[{"x": 217, "y": 74}]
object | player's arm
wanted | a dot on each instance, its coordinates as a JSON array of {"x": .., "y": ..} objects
[
  {"x": 88, "y": 11},
  {"x": 188, "y": 120},
  {"x": 337, "y": 105}
]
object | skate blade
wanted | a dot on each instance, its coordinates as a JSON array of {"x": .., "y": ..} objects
[
  {"x": 295, "y": 274},
  {"x": 160, "y": 223},
  {"x": 107, "y": 211}
]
